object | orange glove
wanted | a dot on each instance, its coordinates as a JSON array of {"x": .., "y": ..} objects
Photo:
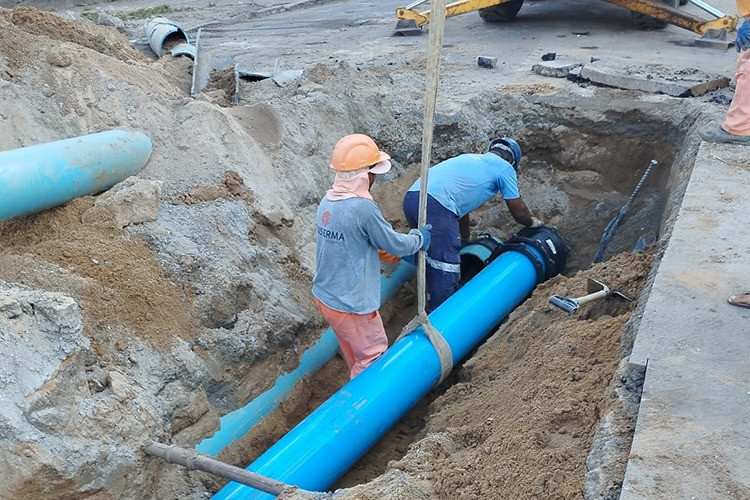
[{"x": 386, "y": 257}]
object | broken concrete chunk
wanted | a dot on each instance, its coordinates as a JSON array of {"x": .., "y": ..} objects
[
  {"x": 486, "y": 62},
  {"x": 132, "y": 201},
  {"x": 574, "y": 74},
  {"x": 687, "y": 82},
  {"x": 555, "y": 69}
]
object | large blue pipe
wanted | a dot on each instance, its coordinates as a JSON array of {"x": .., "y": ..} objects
[
  {"x": 236, "y": 424},
  {"x": 322, "y": 447},
  {"x": 43, "y": 176}
]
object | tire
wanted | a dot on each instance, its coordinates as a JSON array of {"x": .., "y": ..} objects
[
  {"x": 501, "y": 13},
  {"x": 649, "y": 23}
]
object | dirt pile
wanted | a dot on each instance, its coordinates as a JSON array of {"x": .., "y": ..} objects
[
  {"x": 520, "y": 421},
  {"x": 124, "y": 284},
  {"x": 37, "y": 23}
]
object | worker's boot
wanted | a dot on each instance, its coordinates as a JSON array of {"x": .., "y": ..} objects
[{"x": 718, "y": 134}]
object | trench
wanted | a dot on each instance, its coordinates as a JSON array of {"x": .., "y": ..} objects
[{"x": 576, "y": 174}]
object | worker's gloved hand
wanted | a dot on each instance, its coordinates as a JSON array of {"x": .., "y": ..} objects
[
  {"x": 743, "y": 36},
  {"x": 426, "y": 237},
  {"x": 387, "y": 257},
  {"x": 536, "y": 223}
]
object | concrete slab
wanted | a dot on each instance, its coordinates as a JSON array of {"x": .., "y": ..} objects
[
  {"x": 692, "y": 437},
  {"x": 654, "y": 78},
  {"x": 556, "y": 69}
]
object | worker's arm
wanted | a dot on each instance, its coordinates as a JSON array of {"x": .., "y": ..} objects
[
  {"x": 383, "y": 237},
  {"x": 464, "y": 227},
  {"x": 520, "y": 212},
  {"x": 508, "y": 188}
]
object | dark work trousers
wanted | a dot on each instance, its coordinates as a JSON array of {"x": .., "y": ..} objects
[{"x": 443, "y": 270}]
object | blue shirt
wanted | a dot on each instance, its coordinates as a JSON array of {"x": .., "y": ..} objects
[
  {"x": 350, "y": 233},
  {"x": 465, "y": 182}
]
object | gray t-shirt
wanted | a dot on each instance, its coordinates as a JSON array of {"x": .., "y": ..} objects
[{"x": 350, "y": 233}]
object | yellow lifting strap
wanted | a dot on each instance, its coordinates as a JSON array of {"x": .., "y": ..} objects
[{"x": 435, "y": 45}]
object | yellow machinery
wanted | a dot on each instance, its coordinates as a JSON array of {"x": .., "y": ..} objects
[{"x": 647, "y": 14}]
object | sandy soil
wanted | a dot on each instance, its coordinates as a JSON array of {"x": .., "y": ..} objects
[
  {"x": 195, "y": 314},
  {"x": 123, "y": 281}
]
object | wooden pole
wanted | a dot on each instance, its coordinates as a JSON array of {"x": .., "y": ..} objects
[{"x": 192, "y": 460}]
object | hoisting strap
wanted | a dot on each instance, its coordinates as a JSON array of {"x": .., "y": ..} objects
[
  {"x": 437, "y": 28},
  {"x": 445, "y": 355}
]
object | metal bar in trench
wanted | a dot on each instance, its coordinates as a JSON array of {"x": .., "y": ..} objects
[{"x": 180, "y": 456}]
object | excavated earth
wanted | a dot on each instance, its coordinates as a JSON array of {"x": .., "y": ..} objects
[{"x": 115, "y": 336}]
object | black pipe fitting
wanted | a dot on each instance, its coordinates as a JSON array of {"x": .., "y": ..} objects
[
  {"x": 547, "y": 242},
  {"x": 476, "y": 254}
]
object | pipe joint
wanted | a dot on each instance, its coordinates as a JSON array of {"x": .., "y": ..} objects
[
  {"x": 543, "y": 246},
  {"x": 476, "y": 255}
]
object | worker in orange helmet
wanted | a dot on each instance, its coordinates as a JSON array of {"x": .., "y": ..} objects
[
  {"x": 351, "y": 231},
  {"x": 736, "y": 126}
]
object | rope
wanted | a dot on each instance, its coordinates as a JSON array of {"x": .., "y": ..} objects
[{"x": 437, "y": 28}]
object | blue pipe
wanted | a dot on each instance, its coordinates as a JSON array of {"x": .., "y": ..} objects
[
  {"x": 43, "y": 176},
  {"x": 322, "y": 447},
  {"x": 236, "y": 424}
]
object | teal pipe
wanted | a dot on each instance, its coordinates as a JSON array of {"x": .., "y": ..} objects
[
  {"x": 43, "y": 176},
  {"x": 236, "y": 424}
]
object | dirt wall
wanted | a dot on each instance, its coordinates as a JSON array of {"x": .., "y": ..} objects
[{"x": 190, "y": 316}]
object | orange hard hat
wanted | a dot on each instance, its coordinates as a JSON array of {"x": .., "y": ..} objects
[{"x": 356, "y": 151}]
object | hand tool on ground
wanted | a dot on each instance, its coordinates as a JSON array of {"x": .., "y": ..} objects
[{"x": 596, "y": 290}]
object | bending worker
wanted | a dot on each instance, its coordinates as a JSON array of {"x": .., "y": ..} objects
[
  {"x": 455, "y": 187},
  {"x": 351, "y": 231}
]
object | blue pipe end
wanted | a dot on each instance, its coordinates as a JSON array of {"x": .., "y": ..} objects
[{"x": 43, "y": 176}]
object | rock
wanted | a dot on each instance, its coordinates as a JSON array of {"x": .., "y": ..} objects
[
  {"x": 119, "y": 385},
  {"x": 98, "y": 379},
  {"x": 104, "y": 19},
  {"x": 10, "y": 308},
  {"x": 40, "y": 329},
  {"x": 133, "y": 201},
  {"x": 556, "y": 69},
  {"x": 486, "y": 62},
  {"x": 59, "y": 59},
  {"x": 574, "y": 74}
]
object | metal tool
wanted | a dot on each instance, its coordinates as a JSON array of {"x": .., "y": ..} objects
[
  {"x": 708, "y": 8},
  {"x": 609, "y": 231},
  {"x": 596, "y": 290}
]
